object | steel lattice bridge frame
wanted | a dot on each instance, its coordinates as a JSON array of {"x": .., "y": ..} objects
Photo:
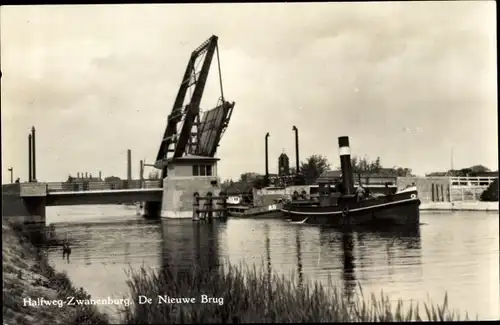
[{"x": 187, "y": 133}]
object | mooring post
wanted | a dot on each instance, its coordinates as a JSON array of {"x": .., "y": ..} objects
[
  {"x": 223, "y": 199},
  {"x": 209, "y": 206},
  {"x": 267, "y": 159},
  {"x": 196, "y": 205},
  {"x": 30, "y": 161},
  {"x": 345, "y": 165}
]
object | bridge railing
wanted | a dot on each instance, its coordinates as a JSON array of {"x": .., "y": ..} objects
[
  {"x": 77, "y": 186},
  {"x": 471, "y": 181}
]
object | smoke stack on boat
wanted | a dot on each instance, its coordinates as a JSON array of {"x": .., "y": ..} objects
[{"x": 345, "y": 165}]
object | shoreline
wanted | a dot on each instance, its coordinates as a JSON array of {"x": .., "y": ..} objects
[
  {"x": 29, "y": 278},
  {"x": 460, "y": 206}
]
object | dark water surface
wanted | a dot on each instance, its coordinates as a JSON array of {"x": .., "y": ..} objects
[{"x": 455, "y": 252}]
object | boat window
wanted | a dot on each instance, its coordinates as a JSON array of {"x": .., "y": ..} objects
[
  {"x": 209, "y": 170},
  {"x": 196, "y": 170}
]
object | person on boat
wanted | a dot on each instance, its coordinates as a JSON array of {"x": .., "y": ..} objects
[
  {"x": 360, "y": 193},
  {"x": 66, "y": 250}
]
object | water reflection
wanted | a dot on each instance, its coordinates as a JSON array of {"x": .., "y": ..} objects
[
  {"x": 363, "y": 250},
  {"x": 189, "y": 245},
  {"x": 268, "y": 251},
  {"x": 300, "y": 271},
  {"x": 404, "y": 264},
  {"x": 110, "y": 243}
]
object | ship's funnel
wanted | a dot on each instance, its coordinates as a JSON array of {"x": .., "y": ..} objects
[{"x": 345, "y": 165}]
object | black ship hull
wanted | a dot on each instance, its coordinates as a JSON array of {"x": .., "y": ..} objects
[{"x": 401, "y": 208}]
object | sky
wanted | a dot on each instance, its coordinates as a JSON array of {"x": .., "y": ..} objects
[{"x": 412, "y": 82}]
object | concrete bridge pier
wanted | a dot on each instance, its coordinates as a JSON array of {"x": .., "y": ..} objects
[
  {"x": 26, "y": 203},
  {"x": 186, "y": 176}
]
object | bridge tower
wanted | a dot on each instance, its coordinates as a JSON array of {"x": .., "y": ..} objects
[{"x": 191, "y": 133}]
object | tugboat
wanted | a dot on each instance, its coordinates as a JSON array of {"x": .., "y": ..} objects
[{"x": 341, "y": 205}]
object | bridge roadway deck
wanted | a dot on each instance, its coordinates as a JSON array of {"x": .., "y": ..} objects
[{"x": 86, "y": 193}]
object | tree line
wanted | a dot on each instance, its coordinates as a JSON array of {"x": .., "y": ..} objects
[{"x": 464, "y": 172}]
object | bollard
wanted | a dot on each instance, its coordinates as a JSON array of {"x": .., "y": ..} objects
[
  {"x": 209, "y": 206},
  {"x": 196, "y": 205},
  {"x": 224, "y": 207},
  {"x": 221, "y": 205}
]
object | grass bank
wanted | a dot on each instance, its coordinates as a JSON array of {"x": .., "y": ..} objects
[
  {"x": 28, "y": 274},
  {"x": 250, "y": 295}
]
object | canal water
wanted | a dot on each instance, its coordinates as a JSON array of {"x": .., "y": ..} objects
[{"x": 457, "y": 253}]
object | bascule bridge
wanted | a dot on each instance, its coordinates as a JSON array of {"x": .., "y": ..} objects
[{"x": 186, "y": 156}]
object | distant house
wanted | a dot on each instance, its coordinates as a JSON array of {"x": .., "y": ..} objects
[{"x": 113, "y": 182}]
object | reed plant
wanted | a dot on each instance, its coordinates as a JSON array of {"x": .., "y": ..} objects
[{"x": 251, "y": 295}]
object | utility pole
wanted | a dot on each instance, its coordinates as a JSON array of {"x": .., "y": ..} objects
[
  {"x": 296, "y": 149},
  {"x": 451, "y": 158},
  {"x": 267, "y": 159},
  {"x": 34, "y": 153},
  {"x": 30, "y": 159}
]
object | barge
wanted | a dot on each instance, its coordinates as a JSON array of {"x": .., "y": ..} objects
[
  {"x": 247, "y": 211},
  {"x": 265, "y": 208}
]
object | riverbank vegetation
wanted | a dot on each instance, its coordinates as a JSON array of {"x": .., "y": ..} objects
[
  {"x": 491, "y": 193},
  {"x": 250, "y": 296},
  {"x": 27, "y": 273}
]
